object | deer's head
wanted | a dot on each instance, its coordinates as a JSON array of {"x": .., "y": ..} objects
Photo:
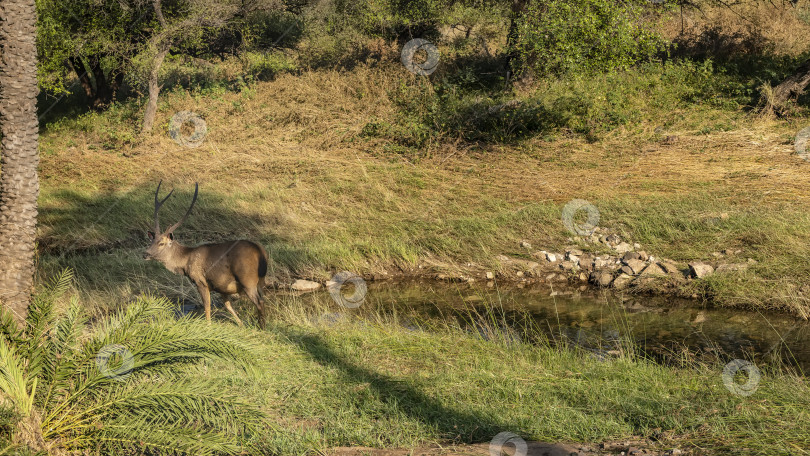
[{"x": 161, "y": 247}]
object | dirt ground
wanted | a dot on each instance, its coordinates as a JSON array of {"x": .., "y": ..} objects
[{"x": 532, "y": 449}]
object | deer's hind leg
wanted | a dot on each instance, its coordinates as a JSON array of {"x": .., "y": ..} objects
[
  {"x": 233, "y": 312},
  {"x": 255, "y": 296}
]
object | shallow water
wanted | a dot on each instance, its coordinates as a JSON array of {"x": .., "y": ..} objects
[{"x": 663, "y": 328}]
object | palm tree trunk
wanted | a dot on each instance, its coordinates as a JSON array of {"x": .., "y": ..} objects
[{"x": 19, "y": 126}]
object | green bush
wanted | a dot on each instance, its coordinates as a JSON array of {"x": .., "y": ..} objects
[{"x": 560, "y": 36}]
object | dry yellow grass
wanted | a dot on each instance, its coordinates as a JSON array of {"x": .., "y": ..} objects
[
  {"x": 284, "y": 162},
  {"x": 780, "y": 27}
]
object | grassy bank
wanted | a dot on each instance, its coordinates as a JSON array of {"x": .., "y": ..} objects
[
  {"x": 329, "y": 170},
  {"x": 377, "y": 382}
]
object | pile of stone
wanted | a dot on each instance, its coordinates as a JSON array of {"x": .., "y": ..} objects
[{"x": 622, "y": 266}]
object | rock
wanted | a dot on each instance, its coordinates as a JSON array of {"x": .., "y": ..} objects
[
  {"x": 540, "y": 254},
  {"x": 599, "y": 263},
  {"x": 700, "y": 270},
  {"x": 575, "y": 252},
  {"x": 601, "y": 278},
  {"x": 568, "y": 265},
  {"x": 583, "y": 276},
  {"x": 636, "y": 245},
  {"x": 519, "y": 273},
  {"x": 622, "y": 281},
  {"x": 653, "y": 269},
  {"x": 669, "y": 267},
  {"x": 612, "y": 239},
  {"x": 643, "y": 255},
  {"x": 490, "y": 275},
  {"x": 586, "y": 262},
  {"x": 626, "y": 270},
  {"x": 551, "y": 257},
  {"x": 503, "y": 258},
  {"x": 636, "y": 266},
  {"x": 631, "y": 256},
  {"x": 623, "y": 247},
  {"x": 305, "y": 285},
  {"x": 717, "y": 254},
  {"x": 526, "y": 245}
]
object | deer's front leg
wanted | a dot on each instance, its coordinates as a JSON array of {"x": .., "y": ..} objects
[{"x": 202, "y": 287}]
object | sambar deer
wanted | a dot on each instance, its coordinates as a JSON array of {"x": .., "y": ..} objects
[{"x": 232, "y": 267}]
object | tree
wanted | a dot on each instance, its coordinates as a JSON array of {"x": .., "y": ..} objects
[
  {"x": 19, "y": 126},
  {"x": 104, "y": 43},
  {"x": 189, "y": 23}
]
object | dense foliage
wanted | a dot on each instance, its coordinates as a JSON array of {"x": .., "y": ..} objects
[
  {"x": 128, "y": 382},
  {"x": 583, "y": 35}
]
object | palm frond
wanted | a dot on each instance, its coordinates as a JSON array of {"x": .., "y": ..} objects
[
  {"x": 13, "y": 380},
  {"x": 40, "y": 322},
  {"x": 163, "y": 438},
  {"x": 60, "y": 361}
]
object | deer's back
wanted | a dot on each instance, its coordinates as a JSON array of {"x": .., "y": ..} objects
[{"x": 229, "y": 267}]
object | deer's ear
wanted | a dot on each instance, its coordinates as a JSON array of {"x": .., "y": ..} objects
[
  {"x": 171, "y": 236},
  {"x": 150, "y": 235}
]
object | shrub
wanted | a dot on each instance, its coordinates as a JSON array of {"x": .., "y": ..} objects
[
  {"x": 141, "y": 396},
  {"x": 560, "y": 36}
]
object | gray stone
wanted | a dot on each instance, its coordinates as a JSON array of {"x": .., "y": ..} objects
[
  {"x": 631, "y": 256},
  {"x": 601, "y": 278},
  {"x": 490, "y": 275},
  {"x": 669, "y": 267},
  {"x": 653, "y": 269},
  {"x": 551, "y": 257},
  {"x": 622, "y": 281},
  {"x": 568, "y": 265},
  {"x": 586, "y": 262},
  {"x": 700, "y": 270},
  {"x": 576, "y": 252},
  {"x": 305, "y": 285},
  {"x": 526, "y": 245},
  {"x": 636, "y": 266},
  {"x": 623, "y": 247}
]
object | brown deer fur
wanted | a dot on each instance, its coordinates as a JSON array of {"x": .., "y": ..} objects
[{"x": 232, "y": 267}]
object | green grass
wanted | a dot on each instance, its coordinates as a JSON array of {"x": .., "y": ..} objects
[{"x": 372, "y": 382}]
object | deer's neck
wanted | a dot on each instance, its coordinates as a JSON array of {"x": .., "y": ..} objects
[{"x": 177, "y": 262}]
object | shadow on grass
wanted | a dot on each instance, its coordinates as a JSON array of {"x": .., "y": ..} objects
[
  {"x": 102, "y": 236},
  {"x": 449, "y": 422}
]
